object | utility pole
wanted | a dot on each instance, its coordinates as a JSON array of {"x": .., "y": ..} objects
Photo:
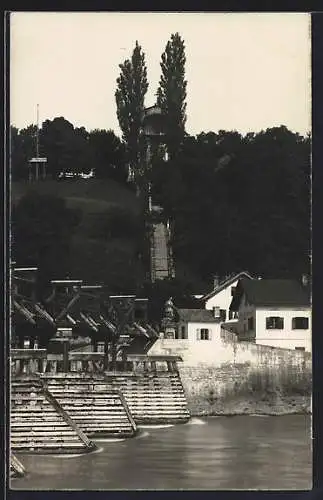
[
  {"x": 37, "y": 142},
  {"x": 40, "y": 163},
  {"x": 37, "y": 133}
]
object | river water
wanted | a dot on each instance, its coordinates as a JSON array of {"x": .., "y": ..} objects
[{"x": 216, "y": 453}]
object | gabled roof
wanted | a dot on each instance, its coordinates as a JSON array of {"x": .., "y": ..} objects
[
  {"x": 196, "y": 316},
  {"x": 225, "y": 283},
  {"x": 271, "y": 293}
]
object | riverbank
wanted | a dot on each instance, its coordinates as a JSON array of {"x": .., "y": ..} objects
[
  {"x": 243, "y": 389},
  {"x": 256, "y": 404}
]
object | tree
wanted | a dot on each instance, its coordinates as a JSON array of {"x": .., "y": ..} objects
[
  {"x": 251, "y": 211},
  {"x": 23, "y": 148},
  {"x": 132, "y": 86},
  {"x": 108, "y": 155},
  {"x": 66, "y": 148},
  {"x": 171, "y": 93},
  {"x": 42, "y": 228}
]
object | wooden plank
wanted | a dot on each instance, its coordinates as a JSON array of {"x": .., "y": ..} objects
[
  {"x": 37, "y": 426},
  {"x": 69, "y": 407},
  {"x": 86, "y": 356},
  {"x": 18, "y": 354},
  {"x": 103, "y": 417},
  {"x": 158, "y": 414},
  {"x": 69, "y": 444},
  {"x": 95, "y": 396},
  {"x": 16, "y": 466},
  {"x": 49, "y": 434},
  {"x": 145, "y": 357}
]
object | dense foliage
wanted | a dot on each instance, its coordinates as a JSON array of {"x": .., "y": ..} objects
[
  {"x": 63, "y": 242},
  {"x": 239, "y": 202},
  {"x": 235, "y": 203},
  {"x": 68, "y": 150},
  {"x": 171, "y": 93},
  {"x": 132, "y": 86},
  {"x": 42, "y": 228}
]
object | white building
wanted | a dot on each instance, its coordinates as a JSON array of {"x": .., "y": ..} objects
[
  {"x": 197, "y": 325},
  {"x": 221, "y": 296},
  {"x": 273, "y": 312}
]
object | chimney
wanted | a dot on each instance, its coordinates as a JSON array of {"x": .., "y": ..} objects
[
  {"x": 305, "y": 280},
  {"x": 216, "y": 312},
  {"x": 216, "y": 281}
]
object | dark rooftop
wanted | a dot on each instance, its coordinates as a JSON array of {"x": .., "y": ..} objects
[
  {"x": 272, "y": 293},
  {"x": 196, "y": 315}
]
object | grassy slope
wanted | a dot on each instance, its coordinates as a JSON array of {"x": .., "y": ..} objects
[
  {"x": 93, "y": 195},
  {"x": 94, "y": 260}
]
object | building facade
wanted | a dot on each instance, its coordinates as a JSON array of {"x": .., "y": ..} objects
[
  {"x": 222, "y": 294},
  {"x": 275, "y": 313}
]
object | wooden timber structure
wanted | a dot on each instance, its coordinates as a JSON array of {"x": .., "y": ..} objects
[
  {"x": 39, "y": 424},
  {"x": 148, "y": 391},
  {"x": 16, "y": 467},
  {"x": 63, "y": 396}
]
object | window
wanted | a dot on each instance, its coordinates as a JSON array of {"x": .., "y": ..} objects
[
  {"x": 250, "y": 323},
  {"x": 274, "y": 323},
  {"x": 299, "y": 348},
  {"x": 300, "y": 323},
  {"x": 203, "y": 334}
]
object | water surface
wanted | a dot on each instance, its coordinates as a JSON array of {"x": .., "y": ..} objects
[{"x": 242, "y": 452}]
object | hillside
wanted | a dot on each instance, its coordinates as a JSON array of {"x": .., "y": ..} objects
[
  {"x": 96, "y": 255},
  {"x": 92, "y": 195}
]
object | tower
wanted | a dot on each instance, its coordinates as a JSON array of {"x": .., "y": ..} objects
[{"x": 153, "y": 132}]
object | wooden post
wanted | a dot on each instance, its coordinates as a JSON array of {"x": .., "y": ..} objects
[
  {"x": 124, "y": 361},
  {"x": 65, "y": 357},
  {"x": 106, "y": 355},
  {"x": 153, "y": 366}
]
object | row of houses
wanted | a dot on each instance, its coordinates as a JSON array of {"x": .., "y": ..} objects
[{"x": 272, "y": 312}]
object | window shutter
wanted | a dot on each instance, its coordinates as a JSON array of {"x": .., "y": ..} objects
[
  {"x": 210, "y": 335},
  {"x": 198, "y": 334}
]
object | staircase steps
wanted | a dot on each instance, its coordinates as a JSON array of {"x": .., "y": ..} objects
[
  {"x": 38, "y": 423},
  {"x": 160, "y": 264},
  {"x": 153, "y": 398},
  {"x": 99, "y": 410}
]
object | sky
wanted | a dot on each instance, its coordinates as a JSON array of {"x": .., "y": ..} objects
[{"x": 244, "y": 71}]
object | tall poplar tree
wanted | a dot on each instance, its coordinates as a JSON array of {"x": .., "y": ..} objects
[
  {"x": 132, "y": 86},
  {"x": 171, "y": 94}
]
